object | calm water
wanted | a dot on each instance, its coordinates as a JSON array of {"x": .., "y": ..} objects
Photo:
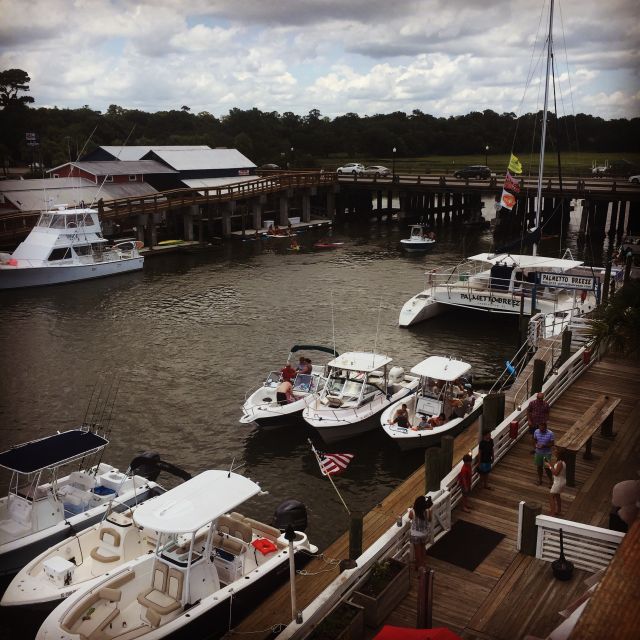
[{"x": 189, "y": 337}]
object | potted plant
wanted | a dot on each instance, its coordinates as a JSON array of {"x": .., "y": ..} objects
[
  {"x": 385, "y": 586},
  {"x": 345, "y": 622}
]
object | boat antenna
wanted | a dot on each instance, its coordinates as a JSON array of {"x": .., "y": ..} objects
[
  {"x": 124, "y": 144},
  {"x": 544, "y": 124},
  {"x": 333, "y": 323},
  {"x": 231, "y": 467},
  {"x": 375, "y": 343}
]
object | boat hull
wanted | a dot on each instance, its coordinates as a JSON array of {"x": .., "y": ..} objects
[
  {"x": 23, "y": 277},
  {"x": 416, "y": 247},
  {"x": 419, "y": 308}
]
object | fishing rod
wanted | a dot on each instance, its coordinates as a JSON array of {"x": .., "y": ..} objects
[
  {"x": 91, "y": 422},
  {"x": 107, "y": 431}
]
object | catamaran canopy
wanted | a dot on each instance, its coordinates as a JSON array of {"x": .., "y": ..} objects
[
  {"x": 441, "y": 368},
  {"x": 52, "y": 451},
  {"x": 359, "y": 361},
  {"x": 196, "y": 502},
  {"x": 537, "y": 263}
]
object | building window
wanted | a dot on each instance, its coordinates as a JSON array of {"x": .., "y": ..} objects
[
  {"x": 56, "y": 175},
  {"x": 133, "y": 178},
  {"x": 108, "y": 179}
]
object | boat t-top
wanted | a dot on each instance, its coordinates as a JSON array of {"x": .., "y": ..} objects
[
  {"x": 507, "y": 284},
  {"x": 210, "y": 565},
  {"x": 262, "y": 407},
  {"x": 420, "y": 239},
  {"x": 43, "y": 506},
  {"x": 66, "y": 245},
  {"x": 443, "y": 404},
  {"x": 359, "y": 386}
]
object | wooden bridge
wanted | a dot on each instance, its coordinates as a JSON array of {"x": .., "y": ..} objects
[{"x": 232, "y": 205}]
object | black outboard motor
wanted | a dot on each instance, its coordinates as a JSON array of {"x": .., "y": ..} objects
[
  {"x": 149, "y": 465},
  {"x": 290, "y": 512}
]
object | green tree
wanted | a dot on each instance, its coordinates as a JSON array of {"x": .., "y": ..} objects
[{"x": 12, "y": 81}]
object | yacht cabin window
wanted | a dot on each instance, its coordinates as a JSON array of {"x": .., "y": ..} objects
[{"x": 61, "y": 253}]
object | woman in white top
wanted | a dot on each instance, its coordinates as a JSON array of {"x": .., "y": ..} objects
[
  {"x": 559, "y": 473},
  {"x": 420, "y": 517}
]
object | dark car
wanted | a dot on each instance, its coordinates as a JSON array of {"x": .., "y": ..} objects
[
  {"x": 473, "y": 171},
  {"x": 269, "y": 167}
]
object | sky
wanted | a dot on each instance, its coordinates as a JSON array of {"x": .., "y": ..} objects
[{"x": 442, "y": 57}]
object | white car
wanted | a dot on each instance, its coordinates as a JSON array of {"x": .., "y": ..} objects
[
  {"x": 352, "y": 168},
  {"x": 377, "y": 170},
  {"x": 634, "y": 179}
]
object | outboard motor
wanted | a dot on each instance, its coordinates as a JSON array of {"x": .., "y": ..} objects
[
  {"x": 290, "y": 512},
  {"x": 149, "y": 465}
]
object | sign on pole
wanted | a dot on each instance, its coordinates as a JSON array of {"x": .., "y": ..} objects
[{"x": 566, "y": 281}]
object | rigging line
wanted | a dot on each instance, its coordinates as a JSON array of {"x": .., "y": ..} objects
[
  {"x": 124, "y": 144},
  {"x": 566, "y": 57},
  {"x": 333, "y": 323},
  {"x": 562, "y": 200},
  {"x": 375, "y": 343}
]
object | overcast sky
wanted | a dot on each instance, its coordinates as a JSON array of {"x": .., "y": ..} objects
[{"x": 444, "y": 57}]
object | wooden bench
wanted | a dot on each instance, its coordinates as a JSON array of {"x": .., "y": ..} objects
[{"x": 598, "y": 415}]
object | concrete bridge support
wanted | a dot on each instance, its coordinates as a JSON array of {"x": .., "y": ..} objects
[
  {"x": 227, "y": 212},
  {"x": 283, "y": 219},
  {"x": 187, "y": 221},
  {"x": 256, "y": 211}
]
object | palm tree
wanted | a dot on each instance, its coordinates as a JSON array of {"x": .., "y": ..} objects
[{"x": 616, "y": 326}]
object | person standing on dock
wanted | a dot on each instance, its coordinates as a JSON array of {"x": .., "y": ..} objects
[
  {"x": 537, "y": 414},
  {"x": 544, "y": 440},
  {"x": 464, "y": 480},
  {"x": 559, "y": 471},
  {"x": 420, "y": 534},
  {"x": 486, "y": 458}
]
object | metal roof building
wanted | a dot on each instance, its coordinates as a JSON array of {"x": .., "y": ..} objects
[{"x": 136, "y": 152}]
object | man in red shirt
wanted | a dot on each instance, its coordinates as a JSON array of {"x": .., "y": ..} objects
[
  {"x": 537, "y": 414},
  {"x": 464, "y": 480},
  {"x": 288, "y": 372}
]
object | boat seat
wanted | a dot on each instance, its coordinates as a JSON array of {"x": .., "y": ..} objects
[
  {"x": 107, "y": 549},
  {"x": 332, "y": 401},
  {"x": 263, "y": 530},
  {"x": 159, "y": 595},
  {"x": 231, "y": 545},
  {"x": 233, "y": 527}
]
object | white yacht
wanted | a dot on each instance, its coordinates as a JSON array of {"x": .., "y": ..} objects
[
  {"x": 420, "y": 239},
  {"x": 359, "y": 387},
  {"x": 506, "y": 284},
  {"x": 444, "y": 390},
  {"x": 262, "y": 408},
  {"x": 66, "y": 245},
  {"x": 209, "y": 567},
  {"x": 43, "y": 507}
]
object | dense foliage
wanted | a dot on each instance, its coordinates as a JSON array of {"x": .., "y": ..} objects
[{"x": 280, "y": 138}]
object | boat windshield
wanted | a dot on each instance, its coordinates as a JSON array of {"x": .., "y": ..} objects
[
  {"x": 349, "y": 389},
  {"x": 306, "y": 383},
  {"x": 64, "y": 220}
]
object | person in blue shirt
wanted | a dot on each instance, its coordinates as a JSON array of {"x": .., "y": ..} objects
[{"x": 544, "y": 441}]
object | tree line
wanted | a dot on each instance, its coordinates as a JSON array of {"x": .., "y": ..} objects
[{"x": 53, "y": 136}]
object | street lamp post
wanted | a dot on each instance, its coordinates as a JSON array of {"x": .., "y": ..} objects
[
  {"x": 486, "y": 155},
  {"x": 393, "y": 165},
  {"x": 292, "y": 157}
]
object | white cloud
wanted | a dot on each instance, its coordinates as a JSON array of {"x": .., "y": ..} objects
[{"x": 441, "y": 56}]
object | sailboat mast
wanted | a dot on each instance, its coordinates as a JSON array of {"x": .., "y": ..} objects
[{"x": 544, "y": 124}]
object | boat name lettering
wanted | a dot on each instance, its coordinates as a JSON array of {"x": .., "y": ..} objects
[
  {"x": 567, "y": 281},
  {"x": 490, "y": 299}
]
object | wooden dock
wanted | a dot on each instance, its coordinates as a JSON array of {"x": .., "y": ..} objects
[{"x": 508, "y": 595}]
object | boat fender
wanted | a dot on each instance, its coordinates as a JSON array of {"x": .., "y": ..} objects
[{"x": 510, "y": 368}]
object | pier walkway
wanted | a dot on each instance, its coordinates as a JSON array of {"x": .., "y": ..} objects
[{"x": 509, "y": 595}]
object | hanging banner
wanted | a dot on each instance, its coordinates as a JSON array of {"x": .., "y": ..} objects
[
  {"x": 514, "y": 164},
  {"x": 508, "y": 200},
  {"x": 511, "y": 184},
  {"x": 567, "y": 282}
]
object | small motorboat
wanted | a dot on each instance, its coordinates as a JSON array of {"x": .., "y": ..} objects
[
  {"x": 66, "y": 245},
  {"x": 327, "y": 244},
  {"x": 420, "y": 239},
  {"x": 262, "y": 408},
  {"x": 359, "y": 387},
  {"x": 84, "y": 557},
  {"x": 441, "y": 392},
  {"x": 211, "y": 565},
  {"x": 43, "y": 506}
]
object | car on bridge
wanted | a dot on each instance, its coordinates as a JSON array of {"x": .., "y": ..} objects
[
  {"x": 352, "y": 168},
  {"x": 634, "y": 179},
  {"x": 479, "y": 171},
  {"x": 377, "y": 171}
]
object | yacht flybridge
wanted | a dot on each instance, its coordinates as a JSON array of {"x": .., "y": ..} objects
[
  {"x": 210, "y": 565},
  {"x": 507, "y": 284},
  {"x": 66, "y": 245},
  {"x": 43, "y": 507}
]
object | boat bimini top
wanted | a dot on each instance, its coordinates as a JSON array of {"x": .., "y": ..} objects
[
  {"x": 538, "y": 263},
  {"x": 196, "y": 502},
  {"x": 52, "y": 451},
  {"x": 441, "y": 368},
  {"x": 313, "y": 347},
  {"x": 359, "y": 361}
]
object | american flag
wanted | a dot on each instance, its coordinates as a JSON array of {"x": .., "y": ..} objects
[{"x": 332, "y": 463}]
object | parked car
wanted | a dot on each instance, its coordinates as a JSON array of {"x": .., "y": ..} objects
[
  {"x": 634, "y": 179},
  {"x": 473, "y": 171},
  {"x": 351, "y": 168},
  {"x": 376, "y": 170},
  {"x": 271, "y": 167}
]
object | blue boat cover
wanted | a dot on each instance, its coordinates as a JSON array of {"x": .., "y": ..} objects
[{"x": 51, "y": 451}]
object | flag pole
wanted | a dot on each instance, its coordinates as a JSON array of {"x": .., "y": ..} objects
[{"x": 315, "y": 453}]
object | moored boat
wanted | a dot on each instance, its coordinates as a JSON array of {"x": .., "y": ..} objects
[
  {"x": 262, "y": 407},
  {"x": 444, "y": 390},
  {"x": 66, "y": 245},
  {"x": 209, "y": 567},
  {"x": 420, "y": 239},
  {"x": 360, "y": 385}
]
